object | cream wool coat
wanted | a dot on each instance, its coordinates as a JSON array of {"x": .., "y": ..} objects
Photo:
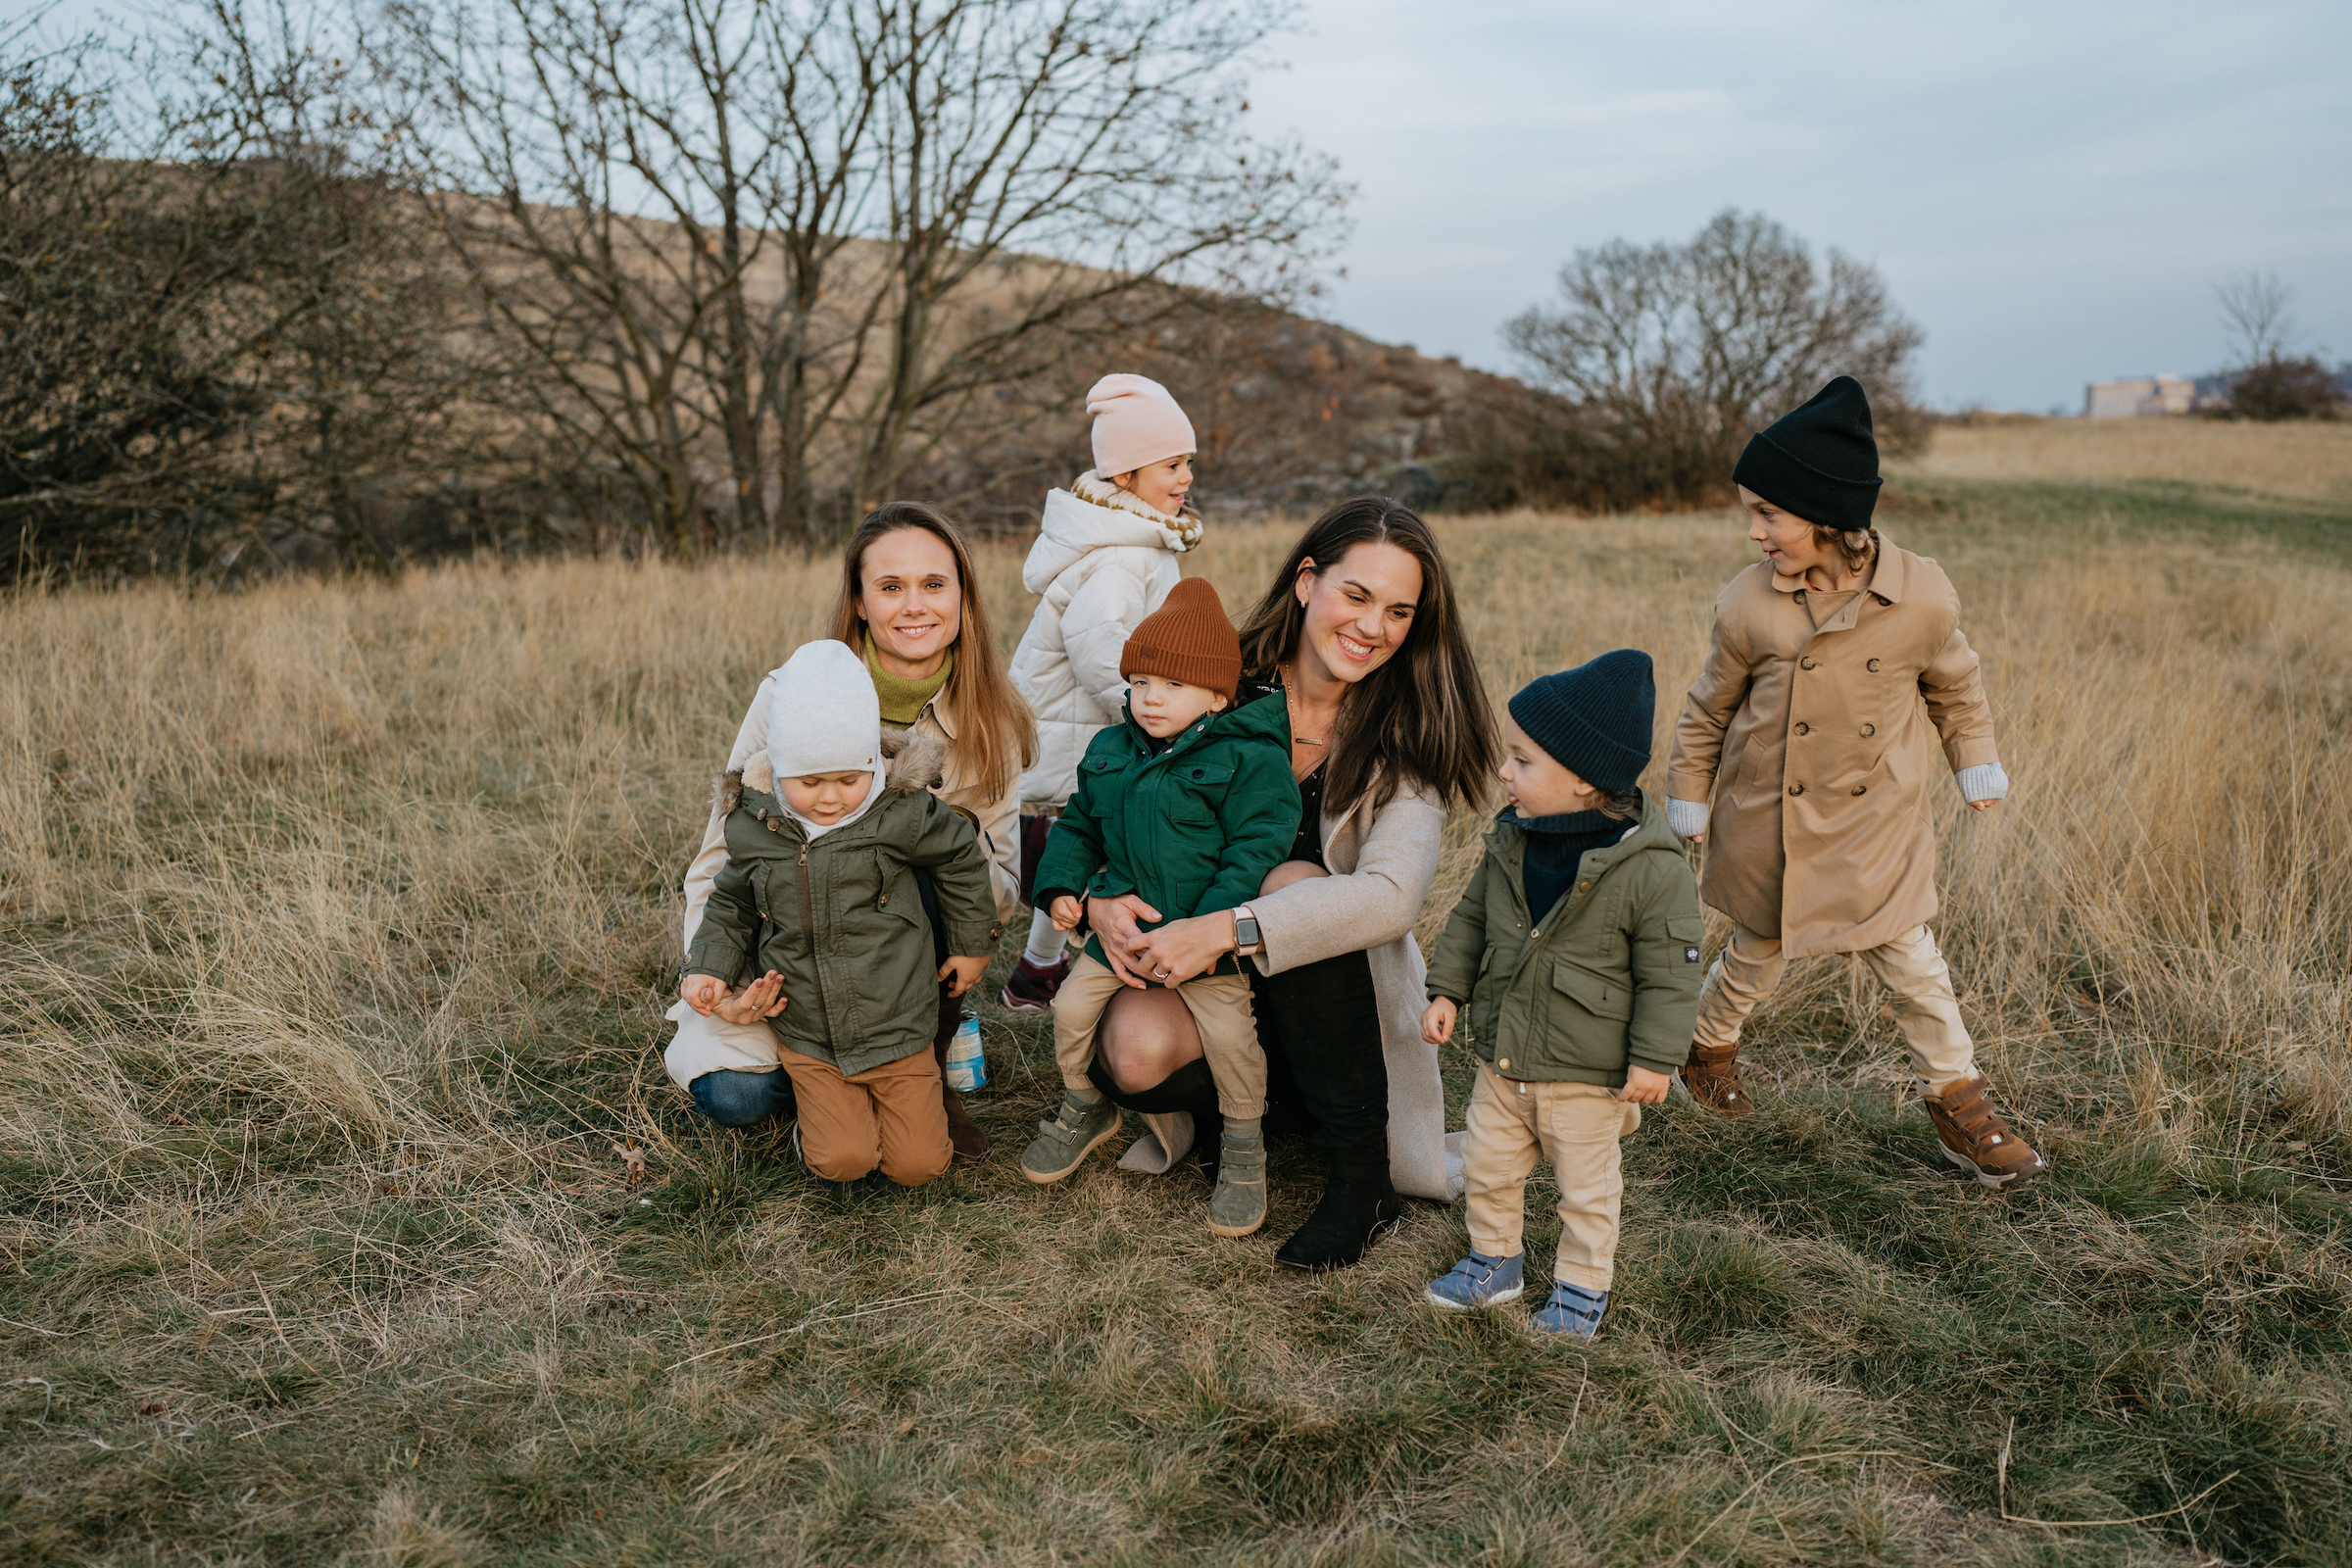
[
  {"x": 1102, "y": 562},
  {"x": 708, "y": 1044},
  {"x": 1818, "y": 749},
  {"x": 1382, "y": 863}
]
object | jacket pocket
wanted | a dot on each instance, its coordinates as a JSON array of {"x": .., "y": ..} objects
[
  {"x": 1200, "y": 790},
  {"x": 1602, "y": 995}
]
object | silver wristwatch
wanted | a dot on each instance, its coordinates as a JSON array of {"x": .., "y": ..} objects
[{"x": 1246, "y": 939}]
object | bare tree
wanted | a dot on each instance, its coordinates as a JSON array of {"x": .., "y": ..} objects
[
  {"x": 2254, "y": 314},
  {"x": 1669, "y": 356},
  {"x": 217, "y": 324},
  {"x": 812, "y": 243}
]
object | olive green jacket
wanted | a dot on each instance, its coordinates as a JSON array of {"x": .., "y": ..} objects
[
  {"x": 842, "y": 919},
  {"x": 1611, "y": 975}
]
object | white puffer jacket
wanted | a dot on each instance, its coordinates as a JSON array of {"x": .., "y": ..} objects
[{"x": 1103, "y": 561}]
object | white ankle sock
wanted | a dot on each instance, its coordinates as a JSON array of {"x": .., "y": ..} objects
[{"x": 1045, "y": 943}]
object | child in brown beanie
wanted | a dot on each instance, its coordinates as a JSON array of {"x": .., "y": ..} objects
[{"x": 1188, "y": 803}]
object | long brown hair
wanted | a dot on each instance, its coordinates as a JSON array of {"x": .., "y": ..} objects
[
  {"x": 1421, "y": 716},
  {"x": 996, "y": 734}
]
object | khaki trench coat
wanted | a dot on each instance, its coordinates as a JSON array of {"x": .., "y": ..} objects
[{"x": 1817, "y": 749}]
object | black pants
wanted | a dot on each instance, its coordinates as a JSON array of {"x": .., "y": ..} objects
[{"x": 1320, "y": 1027}]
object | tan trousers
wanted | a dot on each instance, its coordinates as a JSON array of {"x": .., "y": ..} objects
[
  {"x": 891, "y": 1118},
  {"x": 1911, "y": 968},
  {"x": 1575, "y": 1126},
  {"x": 1220, "y": 1009}
]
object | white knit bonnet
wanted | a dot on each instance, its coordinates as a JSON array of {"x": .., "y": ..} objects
[{"x": 824, "y": 718}]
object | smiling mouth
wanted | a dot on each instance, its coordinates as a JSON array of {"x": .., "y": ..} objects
[{"x": 1350, "y": 647}]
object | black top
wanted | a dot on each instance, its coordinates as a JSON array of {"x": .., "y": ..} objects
[{"x": 1309, "y": 846}]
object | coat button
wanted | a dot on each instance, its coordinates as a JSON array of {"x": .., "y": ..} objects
[
  {"x": 1805, "y": 729},
  {"x": 1505, "y": 1063},
  {"x": 1861, "y": 789},
  {"x": 1869, "y": 729},
  {"x": 1796, "y": 789},
  {"x": 1872, "y": 666},
  {"x": 1805, "y": 663},
  {"x": 1583, "y": 887}
]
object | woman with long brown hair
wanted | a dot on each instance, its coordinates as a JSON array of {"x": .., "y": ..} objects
[
  {"x": 1360, "y": 639},
  {"x": 910, "y": 605}
]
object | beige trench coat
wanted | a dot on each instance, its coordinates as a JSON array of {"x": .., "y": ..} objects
[{"x": 1818, "y": 750}]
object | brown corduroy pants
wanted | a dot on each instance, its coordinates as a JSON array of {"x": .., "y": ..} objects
[{"x": 889, "y": 1118}]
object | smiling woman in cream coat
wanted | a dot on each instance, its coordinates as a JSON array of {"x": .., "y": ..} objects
[{"x": 910, "y": 602}]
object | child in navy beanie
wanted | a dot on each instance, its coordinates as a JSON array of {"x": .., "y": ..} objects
[{"x": 1574, "y": 955}]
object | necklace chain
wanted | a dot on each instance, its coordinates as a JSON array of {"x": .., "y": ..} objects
[{"x": 1290, "y": 693}]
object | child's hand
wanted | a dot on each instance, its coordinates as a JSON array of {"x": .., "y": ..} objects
[
  {"x": 764, "y": 997},
  {"x": 1066, "y": 912},
  {"x": 1437, "y": 1024},
  {"x": 702, "y": 992},
  {"x": 962, "y": 973},
  {"x": 1982, "y": 805},
  {"x": 1644, "y": 1087}
]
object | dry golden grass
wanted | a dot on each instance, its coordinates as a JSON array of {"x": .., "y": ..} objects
[
  {"x": 2307, "y": 461},
  {"x": 335, "y": 921}
]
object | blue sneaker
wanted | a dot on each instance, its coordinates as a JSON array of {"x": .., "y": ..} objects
[
  {"x": 1480, "y": 1281},
  {"x": 1573, "y": 1311}
]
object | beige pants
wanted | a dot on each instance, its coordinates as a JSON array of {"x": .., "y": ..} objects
[
  {"x": 1575, "y": 1126},
  {"x": 1220, "y": 1009},
  {"x": 889, "y": 1118},
  {"x": 1910, "y": 968}
]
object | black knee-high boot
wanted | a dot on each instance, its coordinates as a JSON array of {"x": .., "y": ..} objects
[{"x": 1324, "y": 1018}]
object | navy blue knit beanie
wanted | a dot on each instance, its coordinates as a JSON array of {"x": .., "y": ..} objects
[
  {"x": 1593, "y": 721},
  {"x": 1819, "y": 461}
]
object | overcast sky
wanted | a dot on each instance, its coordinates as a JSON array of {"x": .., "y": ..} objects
[{"x": 2051, "y": 189}]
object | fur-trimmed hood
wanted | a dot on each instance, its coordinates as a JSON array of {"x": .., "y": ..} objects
[
  {"x": 911, "y": 761},
  {"x": 1096, "y": 514}
]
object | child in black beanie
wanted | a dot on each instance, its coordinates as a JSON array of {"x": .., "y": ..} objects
[
  {"x": 1807, "y": 757},
  {"x": 1575, "y": 950}
]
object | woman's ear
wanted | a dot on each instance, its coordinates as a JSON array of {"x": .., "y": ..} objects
[{"x": 1304, "y": 584}]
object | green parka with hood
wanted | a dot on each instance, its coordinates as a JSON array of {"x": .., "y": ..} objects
[
  {"x": 1610, "y": 975},
  {"x": 842, "y": 919},
  {"x": 1192, "y": 829}
]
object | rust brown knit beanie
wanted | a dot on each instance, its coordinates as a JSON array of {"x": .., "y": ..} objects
[{"x": 1188, "y": 639}]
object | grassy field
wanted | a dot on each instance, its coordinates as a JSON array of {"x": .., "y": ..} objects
[{"x": 334, "y": 925}]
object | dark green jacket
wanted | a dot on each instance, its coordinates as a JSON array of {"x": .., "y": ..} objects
[
  {"x": 842, "y": 919},
  {"x": 1611, "y": 975},
  {"x": 1191, "y": 831}
]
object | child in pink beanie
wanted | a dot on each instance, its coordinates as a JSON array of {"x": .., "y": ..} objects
[{"x": 1104, "y": 559}]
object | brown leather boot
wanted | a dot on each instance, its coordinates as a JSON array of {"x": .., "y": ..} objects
[
  {"x": 1976, "y": 1139},
  {"x": 1711, "y": 1077}
]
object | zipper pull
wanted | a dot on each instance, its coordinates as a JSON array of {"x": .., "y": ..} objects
[{"x": 804, "y": 855}]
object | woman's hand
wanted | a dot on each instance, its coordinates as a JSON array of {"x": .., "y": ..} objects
[
  {"x": 1642, "y": 1086},
  {"x": 1113, "y": 921},
  {"x": 1437, "y": 1023},
  {"x": 764, "y": 997},
  {"x": 1183, "y": 949},
  {"x": 963, "y": 973}
]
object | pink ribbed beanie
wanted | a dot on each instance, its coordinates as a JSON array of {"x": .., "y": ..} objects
[{"x": 1135, "y": 422}]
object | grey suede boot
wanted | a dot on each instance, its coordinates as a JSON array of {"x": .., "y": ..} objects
[{"x": 1238, "y": 1206}]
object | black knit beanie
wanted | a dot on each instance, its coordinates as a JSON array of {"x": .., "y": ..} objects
[
  {"x": 1593, "y": 721},
  {"x": 1819, "y": 461}
]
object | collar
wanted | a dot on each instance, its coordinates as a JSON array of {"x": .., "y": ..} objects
[
  {"x": 1885, "y": 582},
  {"x": 1569, "y": 822}
]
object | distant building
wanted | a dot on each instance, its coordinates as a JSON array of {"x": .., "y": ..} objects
[
  {"x": 2147, "y": 396},
  {"x": 2141, "y": 397}
]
